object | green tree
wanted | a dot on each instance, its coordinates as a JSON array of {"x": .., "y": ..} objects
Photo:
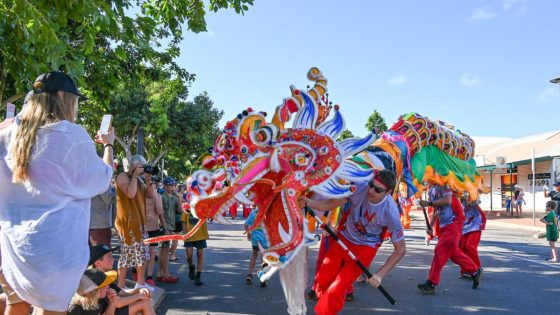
[
  {"x": 376, "y": 121},
  {"x": 193, "y": 126},
  {"x": 96, "y": 38},
  {"x": 176, "y": 129},
  {"x": 345, "y": 135}
]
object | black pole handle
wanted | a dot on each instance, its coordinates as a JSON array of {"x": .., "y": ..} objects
[{"x": 428, "y": 226}]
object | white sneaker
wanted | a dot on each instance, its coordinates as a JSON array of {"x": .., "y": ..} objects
[{"x": 144, "y": 286}]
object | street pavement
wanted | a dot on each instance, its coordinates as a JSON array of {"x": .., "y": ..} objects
[{"x": 516, "y": 278}]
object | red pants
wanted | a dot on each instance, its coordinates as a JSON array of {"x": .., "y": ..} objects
[
  {"x": 468, "y": 244},
  {"x": 337, "y": 274},
  {"x": 233, "y": 211},
  {"x": 448, "y": 248},
  {"x": 326, "y": 243},
  {"x": 246, "y": 211}
]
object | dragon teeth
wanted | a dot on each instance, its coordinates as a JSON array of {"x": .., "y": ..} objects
[{"x": 242, "y": 198}]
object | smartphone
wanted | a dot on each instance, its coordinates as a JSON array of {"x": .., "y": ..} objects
[{"x": 106, "y": 124}]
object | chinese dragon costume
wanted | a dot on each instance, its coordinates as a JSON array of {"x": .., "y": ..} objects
[{"x": 269, "y": 165}]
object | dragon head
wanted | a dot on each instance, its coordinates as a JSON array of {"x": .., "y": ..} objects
[{"x": 288, "y": 163}]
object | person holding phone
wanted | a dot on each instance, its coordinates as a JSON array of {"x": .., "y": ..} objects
[{"x": 49, "y": 171}]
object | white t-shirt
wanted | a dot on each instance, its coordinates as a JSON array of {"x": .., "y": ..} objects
[
  {"x": 44, "y": 222},
  {"x": 367, "y": 222}
]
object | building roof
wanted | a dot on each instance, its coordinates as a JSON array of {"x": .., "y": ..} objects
[{"x": 547, "y": 145}]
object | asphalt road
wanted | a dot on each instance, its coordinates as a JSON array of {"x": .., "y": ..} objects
[{"x": 516, "y": 279}]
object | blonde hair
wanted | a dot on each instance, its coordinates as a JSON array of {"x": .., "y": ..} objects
[
  {"x": 41, "y": 109},
  {"x": 88, "y": 301}
]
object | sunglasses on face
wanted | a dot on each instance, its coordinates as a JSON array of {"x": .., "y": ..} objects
[{"x": 377, "y": 189}]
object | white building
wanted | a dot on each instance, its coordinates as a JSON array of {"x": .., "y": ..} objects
[{"x": 504, "y": 163}]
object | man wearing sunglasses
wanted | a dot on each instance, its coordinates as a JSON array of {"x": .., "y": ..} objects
[
  {"x": 371, "y": 215},
  {"x": 449, "y": 212}
]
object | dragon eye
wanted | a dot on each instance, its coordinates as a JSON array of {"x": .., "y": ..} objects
[
  {"x": 221, "y": 144},
  {"x": 244, "y": 149},
  {"x": 264, "y": 135}
]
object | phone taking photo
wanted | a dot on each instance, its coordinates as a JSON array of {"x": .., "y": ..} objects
[{"x": 106, "y": 124}]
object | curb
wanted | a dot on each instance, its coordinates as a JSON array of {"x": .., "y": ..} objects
[
  {"x": 157, "y": 297},
  {"x": 514, "y": 226}
]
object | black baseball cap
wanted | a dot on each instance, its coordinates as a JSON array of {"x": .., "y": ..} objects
[
  {"x": 97, "y": 251},
  {"x": 556, "y": 184},
  {"x": 55, "y": 81}
]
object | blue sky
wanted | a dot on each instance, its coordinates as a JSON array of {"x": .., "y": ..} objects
[{"x": 483, "y": 66}]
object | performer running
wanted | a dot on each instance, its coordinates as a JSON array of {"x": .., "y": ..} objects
[
  {"x": 371, "y": 214},
  {"x": 451, "y": 218},
  {"x": 333, "y": 219},
  {"x": 472, "y": 230}
]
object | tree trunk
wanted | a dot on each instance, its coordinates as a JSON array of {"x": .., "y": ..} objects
[
  {"x": 126, "y": 146},
  {"x": 162, "y": 154},
  {"x": 140, "y": 143},
  {"x": 3, "y": 78},
  {"x": 14, "y": 98}
]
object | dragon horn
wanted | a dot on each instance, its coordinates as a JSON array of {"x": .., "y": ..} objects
[
  {"x": 320, "y": 87},
  {"x": 292, "y": 104}
]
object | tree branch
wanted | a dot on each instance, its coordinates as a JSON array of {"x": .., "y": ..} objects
[
  {"x": 126, "y": 146},
  {"x": 14, "y": 98},
  {"x": 162, "y": 154},
  {"x": 147, "y": 153}
]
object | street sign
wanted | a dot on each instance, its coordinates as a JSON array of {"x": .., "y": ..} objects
[{"x": 501, "y": 162}]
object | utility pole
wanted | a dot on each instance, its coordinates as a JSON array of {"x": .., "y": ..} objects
[{"x": 140, "y": 142}]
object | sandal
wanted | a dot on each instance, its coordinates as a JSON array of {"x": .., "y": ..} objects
[
  {"x": 350, "y": 297},
  {"x": 249, "y": 279}
]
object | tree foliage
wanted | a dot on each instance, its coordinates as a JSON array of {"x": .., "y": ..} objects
[
  {"x": 122, "y": 54},
  {"x": 192, "y": 128},
  {"x": 345, "y": 135},
  {"x": 376, "y": 122},
  {"x": 96, "y": 41},
  {"x": 173, "y": 128}
]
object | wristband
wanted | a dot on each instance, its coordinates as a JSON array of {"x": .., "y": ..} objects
[{"x": 108, "y": 145}]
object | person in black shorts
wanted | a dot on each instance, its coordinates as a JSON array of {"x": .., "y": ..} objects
[{"x": 198, "y": 241}]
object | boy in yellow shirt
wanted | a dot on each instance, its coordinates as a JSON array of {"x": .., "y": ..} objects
[{"x": 198, "y": 240}]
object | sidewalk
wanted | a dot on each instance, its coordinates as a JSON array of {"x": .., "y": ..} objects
[{"x": 499, "y": 219}]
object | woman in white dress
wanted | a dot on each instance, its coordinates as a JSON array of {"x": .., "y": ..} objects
[{"x": 49, "y": 170}]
